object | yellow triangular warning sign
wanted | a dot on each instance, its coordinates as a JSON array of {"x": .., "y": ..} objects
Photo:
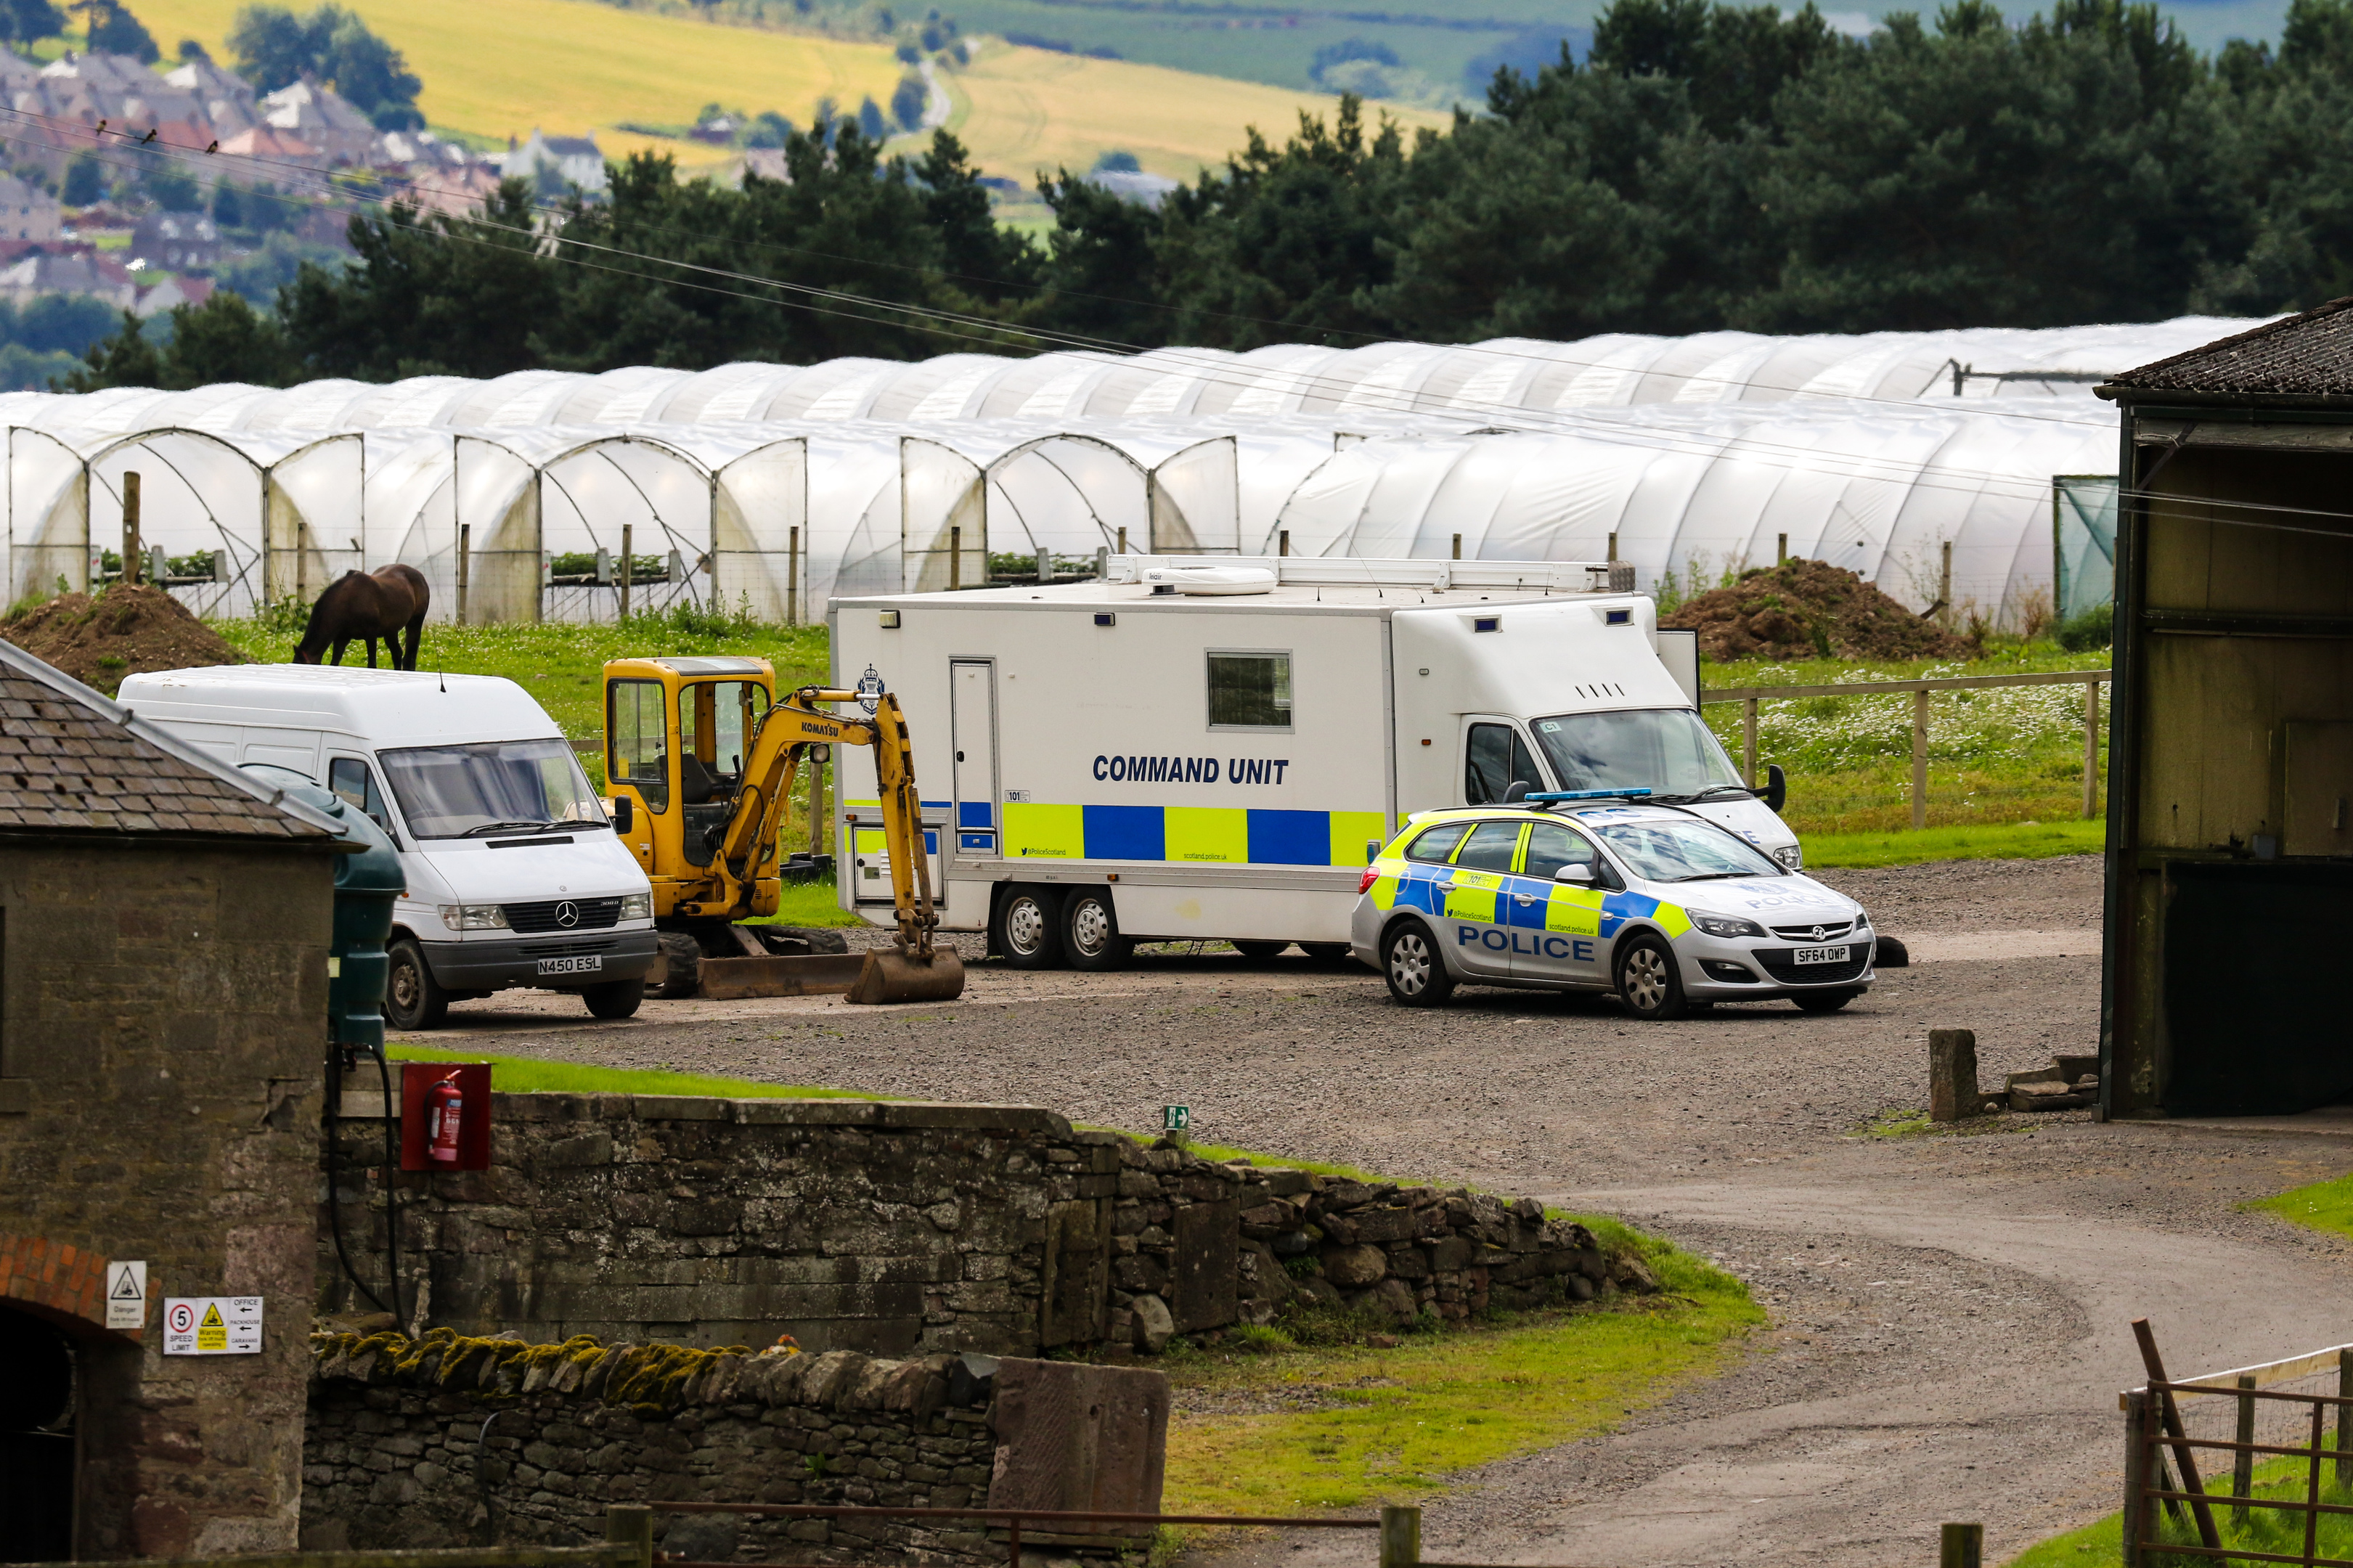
[{"x": 212, "y": 1317}]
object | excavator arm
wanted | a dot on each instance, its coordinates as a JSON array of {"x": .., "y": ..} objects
[{"x": 915, "y": 972}]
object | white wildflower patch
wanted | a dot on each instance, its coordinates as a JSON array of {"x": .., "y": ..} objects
[{"x": 1835, "y": 734}]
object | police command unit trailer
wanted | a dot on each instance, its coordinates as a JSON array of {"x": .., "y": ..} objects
[{"x": 1196, "y": 748}]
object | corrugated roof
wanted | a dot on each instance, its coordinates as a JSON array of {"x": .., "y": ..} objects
[
  {"x": 72, "y": 763},
  {"x": 2310, "y": 356}
]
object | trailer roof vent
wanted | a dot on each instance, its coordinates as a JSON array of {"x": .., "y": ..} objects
[{"x": 1207, "y": 580}]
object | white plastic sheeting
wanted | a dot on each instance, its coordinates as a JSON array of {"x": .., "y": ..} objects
[{"x": 780, "y": 486}]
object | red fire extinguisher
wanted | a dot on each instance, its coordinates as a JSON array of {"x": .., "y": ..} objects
[{"x": 445, "y": 1112}]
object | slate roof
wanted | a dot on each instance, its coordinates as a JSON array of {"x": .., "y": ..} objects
[
  {"x": 2304, "y": 356},
  {"x": 74, "y": 764}
]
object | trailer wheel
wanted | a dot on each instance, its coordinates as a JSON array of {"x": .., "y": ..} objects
[
  {"x": 412, "y": 999},
  {"x": 1823, "y": 1001},
  {"x": 614, "y": 999},
  {"x": 1413, "y": 967},
  {"x": 1326, "y": 951},
  {"x": 1091, "y": 932},
  {"x": 1257, "y": 952},
  {"x": 1028, "y": 923}
]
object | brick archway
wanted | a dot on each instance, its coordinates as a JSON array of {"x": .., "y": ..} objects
[{"x": 53, "y": 1279}]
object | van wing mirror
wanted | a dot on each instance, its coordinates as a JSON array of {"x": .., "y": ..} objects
[
  {"x": 624, "y": 813},
  {"x": 1577, "y": 871},
  {"x": 1777, "y": 787}
]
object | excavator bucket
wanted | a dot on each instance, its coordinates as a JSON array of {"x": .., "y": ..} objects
[{"x": 895, "y": 974}]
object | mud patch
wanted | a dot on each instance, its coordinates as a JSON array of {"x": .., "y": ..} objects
[{"x": 98, "y": 640}]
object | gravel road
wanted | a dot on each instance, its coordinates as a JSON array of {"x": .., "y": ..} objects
[{"x": 1949, "y": 1311}]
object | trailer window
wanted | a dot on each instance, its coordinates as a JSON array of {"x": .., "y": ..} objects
[
  {"x": 641, "y": 740},
  {"x": 1250, "y": 692},
  {"x": 1496, "y": 759}
]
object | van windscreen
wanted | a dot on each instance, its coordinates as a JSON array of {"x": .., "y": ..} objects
[
  {"x": 491, "y": 786},
  {"x": 1666, "y": 751}
]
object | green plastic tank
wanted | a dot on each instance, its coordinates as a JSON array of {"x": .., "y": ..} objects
[{"x": 367, "y": 880}]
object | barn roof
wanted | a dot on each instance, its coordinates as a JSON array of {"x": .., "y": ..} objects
[
  {"x": 74, "y": 764},
  {"x": 2299, "y": 357}
]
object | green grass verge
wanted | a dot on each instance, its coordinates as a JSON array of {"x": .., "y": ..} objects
[
  {"x": 2322, "y": 1206},
  {"x": 2008, "y": 841},
  {"x": 1351, "y": 1424},
  {"x": 808, "y": 904},
  {"x": 530, "y": 1075},
  {"x": 2275, "y": 1531}
]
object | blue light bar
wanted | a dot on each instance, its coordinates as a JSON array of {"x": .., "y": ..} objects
[{"x": 1587, "y": 795}]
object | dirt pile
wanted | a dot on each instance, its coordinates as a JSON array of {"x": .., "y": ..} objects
[
  {"x": 1809, "y": 609},
  {"x": 122, "y": 631}
]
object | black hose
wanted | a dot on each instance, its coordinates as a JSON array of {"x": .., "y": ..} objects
[
  {"x": 391, "y": 1196},
  {"x": 334, "y": 1205}
]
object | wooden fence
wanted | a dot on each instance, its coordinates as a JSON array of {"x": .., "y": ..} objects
[{"x": 2089, "y": 679}]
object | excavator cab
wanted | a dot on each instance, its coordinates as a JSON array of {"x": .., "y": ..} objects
[
  {"x": 700, "y": 759},
  {"x": 677, "y": 732}
]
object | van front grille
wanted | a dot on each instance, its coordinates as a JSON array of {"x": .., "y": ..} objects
[{"x": 586, "y": 914}]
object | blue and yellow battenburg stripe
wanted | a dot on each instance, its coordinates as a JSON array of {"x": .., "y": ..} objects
[
  {"x": 1485, "y": 896},
  {"x": 1200, "y": 834}
]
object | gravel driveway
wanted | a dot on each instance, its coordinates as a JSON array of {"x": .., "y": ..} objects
[{"x": 1950, "y": 1312}]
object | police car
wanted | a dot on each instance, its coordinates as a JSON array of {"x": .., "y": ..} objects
[{"x": 1604, "y": 891}]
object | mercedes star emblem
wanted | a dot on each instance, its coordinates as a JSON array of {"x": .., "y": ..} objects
[{"x": 567, "y": 915}]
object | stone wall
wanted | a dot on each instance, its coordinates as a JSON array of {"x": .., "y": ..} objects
[
  {"x": 398, "y": 1454},
  {"x": 165, "y": 1008},
  {"x": 902, "y": 1229}
]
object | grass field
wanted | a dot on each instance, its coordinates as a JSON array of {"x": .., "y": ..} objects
[
  {"x": 498, "y": 67},
  {"x": 1022, "y": 111},
  {"x": 501, "y": 68},
  {"x": 2007, "y": 756}
]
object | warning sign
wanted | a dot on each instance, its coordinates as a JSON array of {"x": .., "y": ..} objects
[
  {"x": 212, "y": 1325},
  {"x": 126, "y": 1295}
]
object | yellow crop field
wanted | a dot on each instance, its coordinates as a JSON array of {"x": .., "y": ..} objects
[
  {"x": 1023, "y": 110},
  {"x": 498, "y": 67}
]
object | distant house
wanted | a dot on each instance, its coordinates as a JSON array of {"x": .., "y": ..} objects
[
  {"x": 768, "y": 163},
  {"x": 170, "y": 292},
  {"x": 457, "y": 193},
  {"x": 175, "y": 241},
  {"x": 227, "y": 100},
  {"x": 322, "y": 117},
  {"x": 575, "y": 159},
  {"x": 267, "y": 145},
  {"x": 27, "y": 211},
  {"x": 68, "y": 270},
  {"x": 125, "y": 94}
]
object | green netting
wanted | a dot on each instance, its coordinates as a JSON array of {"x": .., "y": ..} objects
[{"x": 2084, "y": 540}]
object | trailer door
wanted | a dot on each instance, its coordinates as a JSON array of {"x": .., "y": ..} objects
[{"x": 972, "y": 727}]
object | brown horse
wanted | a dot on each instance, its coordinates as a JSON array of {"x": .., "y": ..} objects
[{"x": 356, "y": 609}]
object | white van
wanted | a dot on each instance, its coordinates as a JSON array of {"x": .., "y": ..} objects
[
  {"x": 1196, "y": 748},
  {"x": 515, "y": 875}
]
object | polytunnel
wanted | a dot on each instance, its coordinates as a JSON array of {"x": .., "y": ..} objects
[
  {"x": 1878, "y": 488},
  {"x": 778, "y": 487}
]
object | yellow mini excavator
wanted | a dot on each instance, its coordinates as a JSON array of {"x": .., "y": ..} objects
[{"x": 700, "y": 759}]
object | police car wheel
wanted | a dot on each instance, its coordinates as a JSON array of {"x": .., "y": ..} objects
[
  {"x": 1090, "y": 932},
  {"x": 1650, "y": 985},
  {"x": 1410, "y": 963},
  {"x": 1823, "y": 1001},
  {"x": 412, "y": 998},
  {"x": 1030, "y": 928}
]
